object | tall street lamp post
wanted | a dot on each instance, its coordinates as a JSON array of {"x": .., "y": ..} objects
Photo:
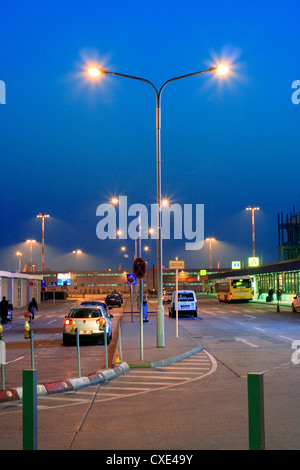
[
  {"x": 77, "y": 252},
  {"x": 31, "y": 242},
  {"x": 42, "y": 216},
  {"x": 19, "y": 254},
  {"x": 210, "y": 240},
  {"x": 95, "y": 72},
  {"x": 253, "y": 209}
]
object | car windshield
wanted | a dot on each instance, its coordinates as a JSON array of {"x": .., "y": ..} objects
[
  {"x": 85, "y": 313},
  {"x": 186, "y": 296}
]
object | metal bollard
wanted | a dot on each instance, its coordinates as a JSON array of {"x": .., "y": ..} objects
[
  {"x": 256, "y": 411},
  {"x": 78, "y": 352},
  {"x": 105, "y": 348},
  {"x": 120, "y": 342},
  {"x": 29, "y": 410},
  {"x": 28, "y": 334}
]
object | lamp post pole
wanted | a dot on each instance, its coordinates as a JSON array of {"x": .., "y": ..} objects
[
  {"x": 94, "y": 72},
  {"x": 210, "y": 258},
  {"x": 42, "y": 216},
  {"x": 31, "y": 242},
  {"x": 253, "y": 209}
]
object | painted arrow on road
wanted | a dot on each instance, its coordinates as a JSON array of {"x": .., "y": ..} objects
[{"x": 247, "y": 342}]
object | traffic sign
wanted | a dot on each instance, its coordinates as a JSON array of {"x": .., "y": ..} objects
[
  {"x": 176, "y": 264},
  {"x": 131, "y": 279},
  {"x": 253, "y": 262},
  {"x": 235, "y": 265},
  {"x": 43, "y": 283},
  {"x": 53, "y": 284},
  {"x": 139, "y": 268},
  {"x": 30, "y": 283}
]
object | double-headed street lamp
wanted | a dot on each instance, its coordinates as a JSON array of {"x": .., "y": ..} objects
[
  {"x": 95, "y": 72},
  {"x": 253, "y": 209},
  {"x": 42, "y": 216},
  {"x": 210, "y": 240},
  {"x": 77, "y": 252},
  {"x": 19, "y": 254},
  {"x": 31, "y": 242}
]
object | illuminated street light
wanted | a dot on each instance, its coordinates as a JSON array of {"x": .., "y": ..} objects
[
  {"x": 252, "y": 209},
  {"x": 95, "y": 72},
  {"x": 31, "y": 242},
  {"x": 222, "y": 69},
  {"x": 19, "y": 254},
  {"x": 77, "y": 252},
  {"x": 42, "y": 216},
  {"x": 210, "y": 240}
]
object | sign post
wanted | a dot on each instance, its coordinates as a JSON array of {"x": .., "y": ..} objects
[
  {"x": 177, "y": 265},
  {"x": 131, "y": 280},
  {"x": 139, "y": 269},
  {"x": 53, "y": 285}
]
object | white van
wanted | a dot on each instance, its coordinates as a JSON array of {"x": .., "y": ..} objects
[{"x": 187, "y": 303}]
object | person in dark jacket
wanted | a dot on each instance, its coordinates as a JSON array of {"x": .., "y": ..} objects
[
  {"x": 32, "y": 307},
  {"x": 4, "y": 309}
]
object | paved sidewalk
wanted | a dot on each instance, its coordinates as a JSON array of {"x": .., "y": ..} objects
[
  {"x": 130, "y": 354},
  {"x": 150, "y": 355}
]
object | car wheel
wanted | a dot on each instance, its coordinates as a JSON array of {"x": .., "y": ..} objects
[{"x": 293, "y": 308}]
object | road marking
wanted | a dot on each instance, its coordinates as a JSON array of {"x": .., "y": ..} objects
[
  {"x": 15, "y": 360},
  {"x": 260, "y": 329},
  {"x": 285, "y": 337},
  {"x": 250, "y": 316},
  {"x": 247, "y": 342}
]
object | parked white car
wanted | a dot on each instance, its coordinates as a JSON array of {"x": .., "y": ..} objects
[
  {"x": 187, "y": 303},
  {"x": 92, "y": 322}
]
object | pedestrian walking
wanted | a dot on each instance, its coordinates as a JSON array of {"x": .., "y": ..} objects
[
  {"x": 271, "y": 294},
  {"x": 32, "y": 307},
  {"x": 4, "y": 309}
]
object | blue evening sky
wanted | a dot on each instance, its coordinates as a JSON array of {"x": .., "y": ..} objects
[{"x": 68, "y": 144}]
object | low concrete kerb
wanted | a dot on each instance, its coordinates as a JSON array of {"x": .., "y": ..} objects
[
  {"x": 67, "y": 385},
  {"x": 165, "y": 362}
]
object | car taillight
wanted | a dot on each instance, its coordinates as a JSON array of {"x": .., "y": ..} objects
[
  {"x": 68, "y": 321},
  {"x": 101, "y": 321}
]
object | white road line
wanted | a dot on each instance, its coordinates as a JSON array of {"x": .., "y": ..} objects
[
  {"x": 285, "y": 337},
  {"x": 131, "y": 388},
  {"x": 15, "y": 360}
]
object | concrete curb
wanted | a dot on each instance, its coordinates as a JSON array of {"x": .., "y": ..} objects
[
  {"x": 67, "y": 385},
  {"x": 165, "y": 362}
]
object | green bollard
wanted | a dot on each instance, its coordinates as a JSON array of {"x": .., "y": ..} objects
[
  {"x": 256, "y": 411},
  {"x": 29, "y": 410},
  {"x": 78, "y": 353},
  {"x": 105, "y": 347},
  {"x": 120, "y": 342}
]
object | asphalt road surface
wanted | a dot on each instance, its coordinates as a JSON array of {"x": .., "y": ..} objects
[{"x": 199, "y": 403}]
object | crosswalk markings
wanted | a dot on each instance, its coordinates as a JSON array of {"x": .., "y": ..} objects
[{"x": 136, "y": 381}]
